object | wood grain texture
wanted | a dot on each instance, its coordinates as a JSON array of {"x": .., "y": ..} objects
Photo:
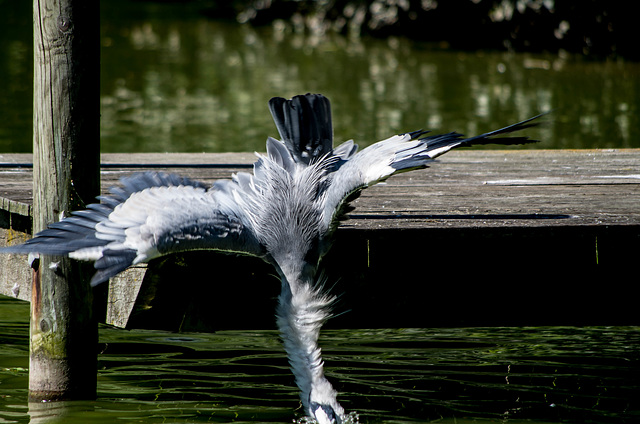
[
  {"x": 479, "y": 188},
  {"x": 66, "y": 99}
]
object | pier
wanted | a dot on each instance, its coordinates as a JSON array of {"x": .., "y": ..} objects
[{"x": 482, "y": 237}]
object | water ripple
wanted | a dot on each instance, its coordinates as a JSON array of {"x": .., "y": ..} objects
[{"x": 544, "y": 374}]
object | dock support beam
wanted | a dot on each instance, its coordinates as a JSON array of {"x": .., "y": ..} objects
[{"x": 66, "y": 156}]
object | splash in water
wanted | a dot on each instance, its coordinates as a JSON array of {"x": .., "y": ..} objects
[{"x": 350, "y": 418}]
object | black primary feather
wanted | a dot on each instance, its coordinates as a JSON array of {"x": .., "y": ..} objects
[{"x": 455, "y": 139}]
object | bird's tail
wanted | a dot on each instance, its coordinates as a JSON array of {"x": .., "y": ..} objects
[{"x": 304, "y": 123}]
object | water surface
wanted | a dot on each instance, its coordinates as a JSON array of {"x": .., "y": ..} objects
[
  {"x": 175, "y": 80},
  {"x": 533, "y": 374}
]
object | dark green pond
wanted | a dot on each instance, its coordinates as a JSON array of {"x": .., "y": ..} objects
[
  {"x": 175, "y": 80},
  {"x": 450, "y": 375}
]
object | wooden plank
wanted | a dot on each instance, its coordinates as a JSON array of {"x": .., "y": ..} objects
[
  {"x": 15, "y": 273},
  {"x": 530, "y": 188},
  {"x": 16, "y": 183},
  {"x": 123, "y": 294},
  {"x": 473, "y": 188}
]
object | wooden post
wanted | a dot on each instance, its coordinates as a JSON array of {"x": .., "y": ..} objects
[{"x": 66, "y": 175}]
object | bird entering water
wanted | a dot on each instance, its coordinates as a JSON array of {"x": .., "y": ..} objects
[{"x": 285, "y": 213}]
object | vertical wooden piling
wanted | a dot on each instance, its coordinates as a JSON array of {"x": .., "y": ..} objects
[{"x": 66, "y": 176}]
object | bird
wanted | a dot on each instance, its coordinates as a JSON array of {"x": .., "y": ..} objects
[{"x": 285, "y": 211}]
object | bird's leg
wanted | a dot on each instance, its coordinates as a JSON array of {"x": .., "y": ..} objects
[{"x": 302, "y": 310}]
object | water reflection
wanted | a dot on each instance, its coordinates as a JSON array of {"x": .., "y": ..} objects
[
  {"x": 174, "y": 80},
  {"x": 209, "y": 83}
]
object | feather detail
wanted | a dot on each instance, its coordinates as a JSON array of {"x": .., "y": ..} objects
[{"x": 302, "y": 310}]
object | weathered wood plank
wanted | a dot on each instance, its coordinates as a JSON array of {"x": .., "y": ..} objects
[
  {"x": 515, "y": 188},
  {"x": 464, "y": 188}
]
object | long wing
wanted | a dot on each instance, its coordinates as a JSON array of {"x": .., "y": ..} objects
[
  {"x": 149, "y": 215},
  {"x": 397, "y": 154}
]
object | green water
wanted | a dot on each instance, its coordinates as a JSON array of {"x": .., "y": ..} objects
[
  {"x": 452, "y": 375},
  {"x": 174, "y": 80}
]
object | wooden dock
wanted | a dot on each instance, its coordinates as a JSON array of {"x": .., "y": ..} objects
[{"x": 495, "y": 237}]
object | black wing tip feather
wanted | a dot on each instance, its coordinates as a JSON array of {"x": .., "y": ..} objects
[
  {"x": 59, "y": 239},
  {"x": 417, "y": 134},
  {"x": 111, "y": 264},
  {"x": 455, "y": 139},
  {"x": 23, "y": 249},
  {"x": 488, "y": 138}
]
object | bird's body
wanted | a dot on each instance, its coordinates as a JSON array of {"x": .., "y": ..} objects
[{"x": 285, "y": 213}]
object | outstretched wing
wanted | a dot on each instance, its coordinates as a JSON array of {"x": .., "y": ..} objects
[
  {"x": 397, "y": 154},
  {"x": 304, "y": 123},
  {"x": 149, "y": 215}
]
